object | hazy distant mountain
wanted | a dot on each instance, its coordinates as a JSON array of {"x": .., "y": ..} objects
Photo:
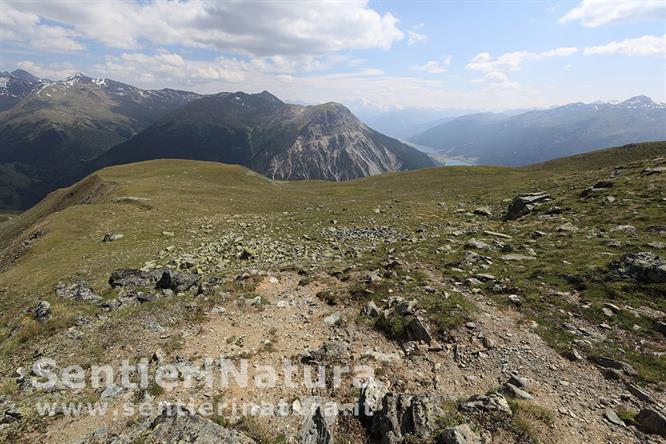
[
  {"x": 536, "y": 136},
  {"x": 280, "y": 140},
  {"x": 54, "y": 125}
]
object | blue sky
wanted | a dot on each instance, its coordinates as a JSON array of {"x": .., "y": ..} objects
[{"x": 378, "y": 54}]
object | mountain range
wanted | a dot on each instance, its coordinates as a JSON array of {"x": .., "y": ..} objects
[
  {"x": 537, "y": 136},
  {"x": 57, "y": 132}
]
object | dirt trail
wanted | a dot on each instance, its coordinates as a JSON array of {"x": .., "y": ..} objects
[{"x": 292, "y": 318}]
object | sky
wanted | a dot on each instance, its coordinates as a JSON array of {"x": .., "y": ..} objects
[{"x": 380, "y": 55}]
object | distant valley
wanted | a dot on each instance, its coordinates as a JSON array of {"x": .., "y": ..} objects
[{"x": 537, "y": 136}]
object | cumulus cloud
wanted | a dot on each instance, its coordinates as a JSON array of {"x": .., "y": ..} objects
[
  {"x": 254, "y": 28},
  {"x": 435, "y": 66},
  {"x": 495, "y": 80},
  {"x": 647, "y": 45},
  {"x": 27, "y": 28},
  {"x": 593, "y": 13},
  {"x": 484, "y": 62}
]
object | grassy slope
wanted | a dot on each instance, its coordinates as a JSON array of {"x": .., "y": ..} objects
[{"x": 185, "y": 196}]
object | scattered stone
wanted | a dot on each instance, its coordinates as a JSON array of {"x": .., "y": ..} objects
[
  {"x": 333, "y": 319},
  {"x": 496, "y": 234},
  {"x": 8, "y": 412},
  {"x": 567, "y": 228},
  {"x": 483, "y": 211},
  {"x": 515, "y": 299},
  {"x": 168, "y": 233},
  {"x": 512, "y": 391},
  {"x": 640, "y": 393},
  {"x": 651, "y": 171},
  {"x": 657, "y": 245},
  {"x": 518, "y": 381},
  {"x": 370, "y": 310},
  {"x": 110, "y": 237},
  {"x": 477, "y": 244},
  {"x": 513, "y": 257},
  {"x": 612, "y": 417},
  {"x": 614, "y": 364},
  {"x": 462, "y": 434}
]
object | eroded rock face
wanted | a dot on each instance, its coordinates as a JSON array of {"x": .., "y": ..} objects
[
  {"x": 401, "y": 416},
  {"x": 523, "y": 204},
  {"x": 644, "y": 267}
]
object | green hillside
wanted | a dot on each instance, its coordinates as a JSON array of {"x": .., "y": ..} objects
[{"x": 204, "y": 217}]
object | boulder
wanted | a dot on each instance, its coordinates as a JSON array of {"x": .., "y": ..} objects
[
  {"x": 524, "y": 204},
  {"x": 476, "y": 245},
  {"x": 8, "y": 412},
  {"x": 416, "y": 331},
  {"x": 644, "y": 267},
  {"x": 462, "y": 434},
  {"x": 651, "y": 421},
  {"x": 42, "y": 311},
  {"x": 177, "y": 281},
  {"x": 492, "y": 402},
  {"x": 110, "y": 237}
]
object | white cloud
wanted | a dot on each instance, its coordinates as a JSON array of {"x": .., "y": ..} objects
[
  {"x": 435, "y": 66},
  {"x": 593, "y": 13},
  {"x": 28, "y": 29},
  {"x": 496, "y": 80},
  {"x": 256, "y": 28},
  {"x": 414, "y": 37},
  {"x": 647, "y": 45},
  {"x": 512, "y": 60},
  {"x": 49, "y": 71}
]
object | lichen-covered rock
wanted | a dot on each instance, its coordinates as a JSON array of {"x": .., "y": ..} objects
[
  {"x": 78, "y": 290},
  {"x": 644, "y": 267}
]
